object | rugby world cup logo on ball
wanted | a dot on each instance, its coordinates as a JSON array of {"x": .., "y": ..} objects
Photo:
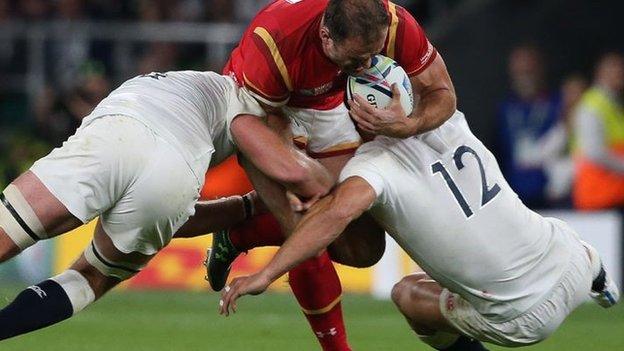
[{"x": 375, "y": 84}]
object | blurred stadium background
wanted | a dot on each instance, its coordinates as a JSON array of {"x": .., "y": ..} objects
[{"x": 59, "y": 58}]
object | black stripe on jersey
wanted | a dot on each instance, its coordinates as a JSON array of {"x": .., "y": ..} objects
[
  {"x": 112, "y": 265},
  {"x": 18, "y": 218}
]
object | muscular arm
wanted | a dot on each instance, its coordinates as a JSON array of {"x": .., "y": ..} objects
[
  {"x": 213, "y": 215},
  {"x": 317, "y": 229},
  {"x": 280, "y": 161},
  {"x": 436, "y": 101},
  {"x": 321, "y": 225}
]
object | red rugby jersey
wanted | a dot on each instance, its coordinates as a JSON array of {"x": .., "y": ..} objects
[{"x": 281, "y": 61}]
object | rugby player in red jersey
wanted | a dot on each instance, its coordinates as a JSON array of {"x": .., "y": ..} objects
[{"x": 294, "y": 59}]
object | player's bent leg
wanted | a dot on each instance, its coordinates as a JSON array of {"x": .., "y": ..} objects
[
  {"x": 224, "y": 252},
  {"x": 315, "y": 282},
  {"x": 417, "y": 297},
  {"x": 100, "y": 268},
  {"x": 29, "y": 212}
]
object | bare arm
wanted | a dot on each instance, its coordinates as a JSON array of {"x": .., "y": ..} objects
[
  {"x": 218, "y": 214},
  {"x": 280, "y": 161},
  {"x": 434, "y": 104},
  {"x": 317, "y": 229},
  {"x": 437, "y": 98}
]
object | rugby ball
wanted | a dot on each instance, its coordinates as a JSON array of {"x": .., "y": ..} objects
[{"x": 375, "y": 84}]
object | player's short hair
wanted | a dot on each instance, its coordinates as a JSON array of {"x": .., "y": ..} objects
[{"x": 355, "y": 18}]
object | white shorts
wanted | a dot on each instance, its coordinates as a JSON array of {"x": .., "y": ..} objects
[
  {"x": 323, "y": 133},
  {"x": 120, "y": 170},
  {"x": 536, "y": 324}
]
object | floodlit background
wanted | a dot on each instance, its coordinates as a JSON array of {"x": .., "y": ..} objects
[{"x": 521, "y": 69}]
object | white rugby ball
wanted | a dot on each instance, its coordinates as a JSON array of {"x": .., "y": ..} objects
[{"x": 375, "y": 84}]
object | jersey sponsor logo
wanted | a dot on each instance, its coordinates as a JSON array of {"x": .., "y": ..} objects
[
  {"x": 317, "y": 90},
  {"x": 38, "y": 291}
]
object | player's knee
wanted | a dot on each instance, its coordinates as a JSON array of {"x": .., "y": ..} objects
[
  {"x": 103, "y": 273},
  {"x": 19, "y": 223},
  {"x": 408, "y": 290}
]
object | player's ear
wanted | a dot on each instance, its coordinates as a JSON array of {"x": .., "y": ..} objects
[{"x": 324, "y": 33}]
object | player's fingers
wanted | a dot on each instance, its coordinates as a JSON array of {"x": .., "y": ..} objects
[
  {"x": 311, "y": 202},
  {"x": 396, "y": 93},
  {"x": 359, "y": 114},
  {"x": 367, "y": 130},
  {"x": 224, "y": 303},
  {"x": 363, "y": 123},
  {"x": 363, "y": 104},
  {"x": 295, "y": 203},
  {"x": 234, "y": 304}
]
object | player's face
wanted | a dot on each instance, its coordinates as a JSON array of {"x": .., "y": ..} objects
[{"x": 353, "y": 55}]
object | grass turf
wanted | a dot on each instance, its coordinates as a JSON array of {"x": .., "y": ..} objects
[{"x": 188, "y": 321}]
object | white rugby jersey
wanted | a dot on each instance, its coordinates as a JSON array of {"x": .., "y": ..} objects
[
  {"x": 191, "y": 110},
  {"x": 442, "y": 197}
]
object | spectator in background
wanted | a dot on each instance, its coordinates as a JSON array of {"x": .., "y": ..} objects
[
  {"x": 158, "y": 57},
  {"x": 220, "y": 11},
  {"x": 34, "y": 10},
  {"x": 599, "y": 148},
  {"x": 68, "y": 54},
  {"x": 525, "y": 119},
  {"x": 58, "y": 116},
  {"x": 558, "y": 163}
]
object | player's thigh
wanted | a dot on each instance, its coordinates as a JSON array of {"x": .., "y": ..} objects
[
  {"x": 156, "y": 203},
  {"x": 62, "y": 190},
  {"x": 325, "y": 133},
  {"x": 87, "y": 174},
  {"x": 417, "y": 296},
  {"x": 54, "y": 216},
  {"x": 30, "y": 212}
]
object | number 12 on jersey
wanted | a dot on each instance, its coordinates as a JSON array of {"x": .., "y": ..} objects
[{"x": 487, "y": 193}]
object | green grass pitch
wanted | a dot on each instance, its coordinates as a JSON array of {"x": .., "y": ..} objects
[{"x": 154, "y": 321}]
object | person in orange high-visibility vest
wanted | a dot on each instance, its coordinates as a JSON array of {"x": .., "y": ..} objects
[{"x": 599, "y": 144}]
